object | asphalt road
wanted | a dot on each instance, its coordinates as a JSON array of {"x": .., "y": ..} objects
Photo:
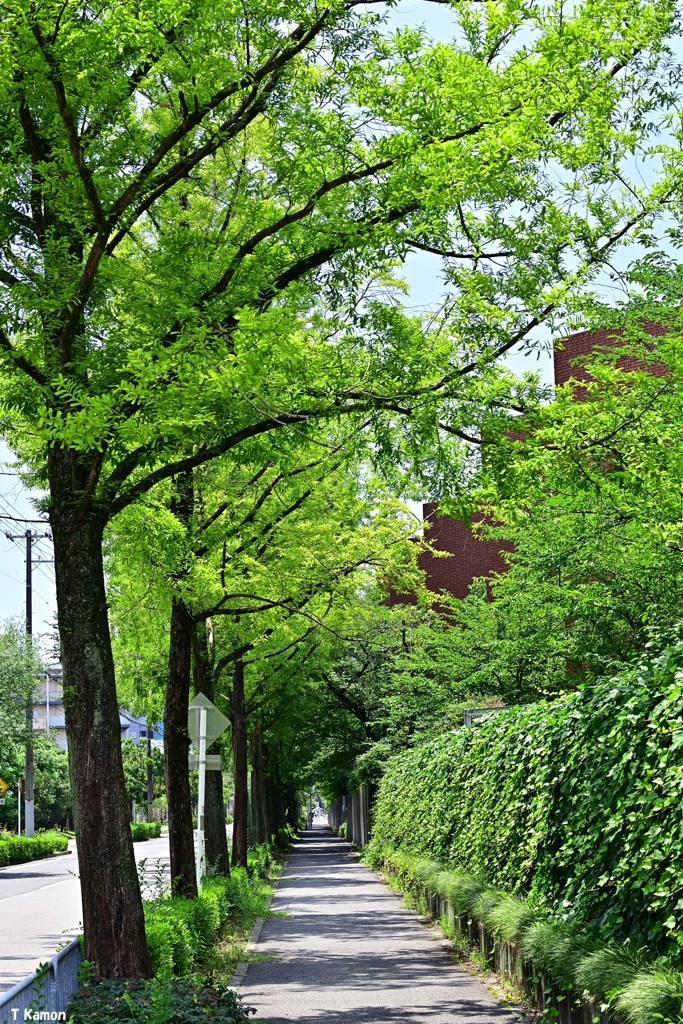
[
  {"x": 348, "y": 952},
  {"x": 40, "y": 906}
]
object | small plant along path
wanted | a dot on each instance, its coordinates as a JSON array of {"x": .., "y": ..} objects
[{"x": 348, "y": 952}]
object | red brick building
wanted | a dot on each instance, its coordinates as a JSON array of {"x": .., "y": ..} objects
[
  {"x": 472, "y": 556},
  {"x": 585, "y": 343}
]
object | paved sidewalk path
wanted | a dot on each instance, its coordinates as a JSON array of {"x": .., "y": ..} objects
[{"x": 349, "y": 953}]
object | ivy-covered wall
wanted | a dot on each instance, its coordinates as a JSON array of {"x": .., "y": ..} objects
[{"x": 577, "y": 803}]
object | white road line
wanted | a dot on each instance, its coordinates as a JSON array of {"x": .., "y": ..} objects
[{"x": 18, "y": 895}]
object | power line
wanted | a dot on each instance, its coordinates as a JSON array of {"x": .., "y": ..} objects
[
  {"x": 11, "y": 577},
  {"x": 48, "y": 577},
  {"x": 9, "y": 505},
  {"x": 20, "y": 519}
]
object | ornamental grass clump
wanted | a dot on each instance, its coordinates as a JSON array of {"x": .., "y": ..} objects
[
  {"x": 485, "y": 903},
  {"x": 652, "y": 997},
  {"x": 425, "y": 872},
  {"x": 509, "y": 916},
  {"x": 557, "y": 947},
  {"x": 609, "y": 969},
  {"x": 463, "y": 891}
]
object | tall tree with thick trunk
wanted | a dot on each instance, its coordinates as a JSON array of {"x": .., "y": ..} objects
[
  {"x": 240, "y": 767},
  {"x": 176, "y": 750},
  {"x": 215, "y": 835},
  {"x": 176, "y": 735},
  {"x": 194, "y": 206},
  {"x": 113, "y": 921},
  {"x": 259, "y": 809}
]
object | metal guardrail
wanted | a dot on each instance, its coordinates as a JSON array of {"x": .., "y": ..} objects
[{"x": 47, "y": 991}]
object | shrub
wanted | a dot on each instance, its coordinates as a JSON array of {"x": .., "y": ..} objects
[
  {"x": 18, "y": 849},
  {"x": 260, "y": 860},
  {"x": 145, "y": 830},
  {"x": 341, "y": 831},
  {"x": 180, "y": 932},
  {"x": 282, "y": 839},
  {"x": 176, "y": 1001}
]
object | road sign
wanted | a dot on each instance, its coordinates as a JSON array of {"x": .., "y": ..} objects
[
  {"x": 2, "y": 801},
  {"x": 3, "y": 787},
  {"x": 205, "y": 723},
  {"x": 216, "y": 722},
  {"x": 213, "y": 762}
]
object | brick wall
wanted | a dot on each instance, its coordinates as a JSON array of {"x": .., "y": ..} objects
[
  {"x": 586, "y": 342},
  {"x": 470, "y": 554}
]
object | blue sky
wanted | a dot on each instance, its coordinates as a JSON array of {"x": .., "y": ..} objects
[{"x": 15, "y": 500}]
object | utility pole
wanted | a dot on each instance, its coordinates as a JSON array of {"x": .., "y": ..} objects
[
  {"x": 150, "y": 778},
  {"x": 29, "y": 798}
]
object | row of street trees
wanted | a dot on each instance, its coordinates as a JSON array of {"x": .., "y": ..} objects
[{"x": 203, "y": 212}]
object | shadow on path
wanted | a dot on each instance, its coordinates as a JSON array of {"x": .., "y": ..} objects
[{"x": 348, "y": 952}]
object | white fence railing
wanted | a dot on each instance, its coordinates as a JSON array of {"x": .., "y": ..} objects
[{"x": 46, "y": 991}]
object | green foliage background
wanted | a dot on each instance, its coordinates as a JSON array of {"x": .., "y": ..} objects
[
  {"x": 575, "y": 802},
  {"x": 52, "y": 789}
]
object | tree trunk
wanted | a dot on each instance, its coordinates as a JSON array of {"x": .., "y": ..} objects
[
  {"x": 113, "y": 920},
  {"x": 176, "y": 736},
  {"x": 259, "y": 822},
  {"x": 239, "y": 754},
  {"x": 216, "y": 839},
  {"x": 276, "y": 799},
  {"x": 293, "y": 807},
  {"x": 176, "y": 750}
]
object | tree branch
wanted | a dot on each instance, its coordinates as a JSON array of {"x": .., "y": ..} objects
[
  {"x": 69, "y": 127},
  {"x": 21, "y": 361}
]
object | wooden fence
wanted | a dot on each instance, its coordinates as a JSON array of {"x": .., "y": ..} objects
[{"x": 507, "y": 961}]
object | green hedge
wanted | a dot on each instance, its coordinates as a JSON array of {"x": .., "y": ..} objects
[
  {"x": 577, "y": 803},
  {"x": 18, "y": 849},
  {"x": 145, "y": 830},
  {"x": 180, "y": 932},
  {"x": 638, "y": 990}
]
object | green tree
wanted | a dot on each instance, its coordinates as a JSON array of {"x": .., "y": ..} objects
[
  {"x": 20, "y": 667},
  {"x": 135, "y": 763},
  {"x": 52, "y": 789},
  {"x": 200, "y": 208},
  {"x": 262, "y": 565}
]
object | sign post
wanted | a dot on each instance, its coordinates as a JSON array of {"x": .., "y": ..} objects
[
  {"x": 20, "y": 786},
  {"x": 205, "y": 724},
  {"x": 201, "y": 797}
]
